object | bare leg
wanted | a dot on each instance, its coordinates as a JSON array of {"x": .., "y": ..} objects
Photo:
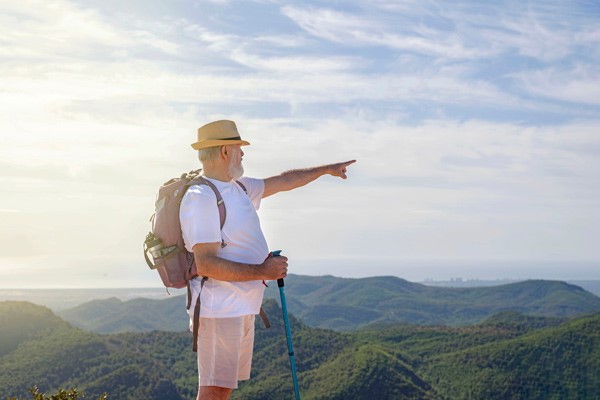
[{"x": 213, "y": 393}]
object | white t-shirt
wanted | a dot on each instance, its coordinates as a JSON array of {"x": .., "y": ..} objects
[{"x": 243, "y": 235}]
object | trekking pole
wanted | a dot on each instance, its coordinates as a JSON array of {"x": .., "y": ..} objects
[{"x": 288, "y": 332}]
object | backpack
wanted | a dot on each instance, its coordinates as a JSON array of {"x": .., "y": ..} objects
[{"x": 175, "y": 265}]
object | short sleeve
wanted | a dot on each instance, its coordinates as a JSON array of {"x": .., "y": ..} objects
[
  {"x": 199, "y": 217},
  {"x": 255, "y": 188}
]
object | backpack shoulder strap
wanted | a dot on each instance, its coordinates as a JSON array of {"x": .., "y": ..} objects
[
  {"x": 200, "y": 180},
  {"x": 242, "y": 186},
  {"x": 220, "y": 203}
]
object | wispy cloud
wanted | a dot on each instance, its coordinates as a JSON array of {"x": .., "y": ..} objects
[
  {"x": 351, "y": 30},
  {"x": 578, "y": 84},
  {"x": 60, "y": 30}
]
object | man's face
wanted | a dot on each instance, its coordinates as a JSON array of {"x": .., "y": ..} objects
[{"x": 236, "y": 169}]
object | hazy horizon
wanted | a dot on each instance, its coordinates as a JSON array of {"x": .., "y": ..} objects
[{"x": 413, "y": 271}]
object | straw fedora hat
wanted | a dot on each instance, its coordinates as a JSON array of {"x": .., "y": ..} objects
[{"x": 218, "y": 133}]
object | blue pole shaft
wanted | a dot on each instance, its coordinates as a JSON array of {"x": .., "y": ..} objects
[{"x": 288, "y": 334}]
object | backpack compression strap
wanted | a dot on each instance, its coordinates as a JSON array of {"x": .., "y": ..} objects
[{"x": 196, "y": 323}]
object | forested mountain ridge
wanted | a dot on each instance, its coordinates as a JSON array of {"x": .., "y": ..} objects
[
  {"x": 21, "y": 321},
  {"x": 507, "y": 356},
  {"x": 344, "y": 304}
]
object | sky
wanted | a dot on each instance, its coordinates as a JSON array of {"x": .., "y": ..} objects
[{"x": 475, "y": 126}]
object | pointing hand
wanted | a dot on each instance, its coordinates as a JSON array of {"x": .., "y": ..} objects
[{"x": 339, "y": 169}]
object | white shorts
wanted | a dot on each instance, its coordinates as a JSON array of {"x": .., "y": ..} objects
[{"x": 225, "y": 350}]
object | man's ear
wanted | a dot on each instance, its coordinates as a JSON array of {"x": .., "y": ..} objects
[{"x": 224, "y": 152}]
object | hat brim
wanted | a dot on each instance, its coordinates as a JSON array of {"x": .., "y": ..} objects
[{"x": 212, "y": 143}]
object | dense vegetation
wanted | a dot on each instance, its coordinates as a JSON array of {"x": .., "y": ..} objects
[
  {"x": 72, "y": 394},
  {"x": 560, "y": 363},
  {"x": 346, "y": 304},
  {"x": 510, "y": 355}
]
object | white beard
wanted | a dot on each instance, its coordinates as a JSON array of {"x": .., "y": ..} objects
[{"x": 236, "y": 171}]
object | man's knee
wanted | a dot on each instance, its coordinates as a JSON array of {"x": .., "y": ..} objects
[{"x": 213, "y": 393}]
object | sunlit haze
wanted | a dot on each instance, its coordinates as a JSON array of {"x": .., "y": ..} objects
[{"x": 476, "y": 126}]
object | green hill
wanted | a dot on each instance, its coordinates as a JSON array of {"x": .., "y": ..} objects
[
  {"x": 557, "y": 363},
  {"x": 345, "y": 304},
  {"x": 21, "y": 321},
  {"x": 342, "y": 303},
  {"x": 508, "y": 356},
  {"x": 137, "y": 315},
  {"x": 64, "y": 357}
]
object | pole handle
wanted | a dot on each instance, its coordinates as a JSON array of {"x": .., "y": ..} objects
[{"x": 277, "y": 253}]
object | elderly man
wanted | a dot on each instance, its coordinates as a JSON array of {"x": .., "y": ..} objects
[{"x": 236, "y": 258}]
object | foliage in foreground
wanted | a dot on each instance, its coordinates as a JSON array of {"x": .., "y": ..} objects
[{"x": 62, "y": 394}]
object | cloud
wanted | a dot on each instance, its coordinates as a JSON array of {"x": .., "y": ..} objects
[
  {"x": 579, "y": 84},
  {"x": 348, "y": 29},
  {"x": 283, "y": 41},
  {"x": 485, "y": 185},
  {"x": 60, "y": 31},
  {"x": 221, "y": 68},
  {"x": 462, "y": 31},
  {"x": 443, "y": 152},
  {"x": 254, "y": 53}
]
